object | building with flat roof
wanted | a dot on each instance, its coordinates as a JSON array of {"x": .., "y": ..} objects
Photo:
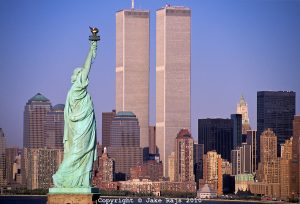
[
  {"x": 275, "y": 110},
  {"x": 132, "y": 66},
  {"x": 173, "y": 77}
]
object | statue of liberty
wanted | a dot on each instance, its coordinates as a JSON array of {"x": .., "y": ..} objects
[{"x": 80, "y": 129}]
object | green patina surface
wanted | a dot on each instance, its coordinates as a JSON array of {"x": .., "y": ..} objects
[
  {"x": 75, "y": 172},
  {"x": 73, "y": 190}
]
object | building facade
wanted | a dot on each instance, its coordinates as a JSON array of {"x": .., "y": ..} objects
[
  {"x": 184, "y": 157},
  {"x": 13, "y": 167},
  {"x": 40, "y": 165},
  {"x": 105, "y": 170},
  {"x": 125, "y": 142},
  {"x": 35, "y": 113},
  {"x": 212, "y": 171},
  {"x": 151, "y": 169},
  {"x": 132, "y": 66},
  {"x": 54, "y": 127},
  {"x": 107, "y": 118},
  {"x": 268, "y": 173},
  {"x": 242, "y": 108},
  {"x": 152, "y": 140},
  {"x": 236, "y": 129},
  {"x": 285, "y": 169},
  {"x": 3, "y": 180},
  {"x": 173, "y": 77},
  {"x": 295, "y": 188},
  {"x": 275, "y": 110},
  {"x": 216, "y": 134},
  {"x": 251, "y": 140}
]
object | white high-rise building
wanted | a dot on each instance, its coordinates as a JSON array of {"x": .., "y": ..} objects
[
  {"x": 173, "y": 77},
  {"x": 242, "y": 108},
  {"x": 132, "y": 66}
]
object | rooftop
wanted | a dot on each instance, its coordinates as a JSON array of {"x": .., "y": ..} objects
[
  {"x": 39, "y": 97},
  {"x": 125, "y": 114},
  {"x": 59, "y": 107}
]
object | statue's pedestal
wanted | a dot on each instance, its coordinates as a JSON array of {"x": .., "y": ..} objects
[{"x": 73, "y": 195}]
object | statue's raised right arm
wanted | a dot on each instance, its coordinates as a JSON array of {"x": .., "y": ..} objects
[{"x": 89, "y": 60}]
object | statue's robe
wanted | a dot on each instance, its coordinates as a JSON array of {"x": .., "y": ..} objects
[{"x": 79, "y": 138}]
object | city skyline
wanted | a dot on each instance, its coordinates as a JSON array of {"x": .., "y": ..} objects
[{"x": 238, "y": 48}]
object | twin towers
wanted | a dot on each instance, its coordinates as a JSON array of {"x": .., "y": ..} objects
[{"x": 173, "y": 72}]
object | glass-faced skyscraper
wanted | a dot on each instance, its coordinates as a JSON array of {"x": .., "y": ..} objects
[
  {"x": 54, "y": 127},
  {"x": 173, "y": 77},
  {"x": 34, "y": 121},
  {"x": 275, "y": 110},
  {"x": 132, "y": 66},
  {"x": 125, "y": 142}
]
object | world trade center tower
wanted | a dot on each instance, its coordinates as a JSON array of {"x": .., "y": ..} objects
[
  {"x": 132, "y": 66},
  {"x": 173, "y": 77}
]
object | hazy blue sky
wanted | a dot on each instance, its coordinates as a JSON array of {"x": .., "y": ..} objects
[{"x": 238, "y": 47}]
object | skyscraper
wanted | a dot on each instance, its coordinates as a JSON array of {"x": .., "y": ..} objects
[
  {"x": 275, "y": 110},
  {"x": 216, "y": 134},
  {"x": 251, "y": 140},
  {"x": 107, "y": 118},
  {"x": 125, "y": 142},
  {"x": 237, "y": 129},
  {"x": 286, "y": 181},
  {"x": 54, "y": 127},
  {"x": 241, "y": 159},
  {"x": 2, "y": 159},
  {"x": 132, "y": 66},
  {"x": 35, "y": 113},
  {"x": 242, "y": 108},
  {"x": 268, "y": 173},
  {"x": 268, "y": 168},
  {"x": 173, "y": 77},
  {"x": 212, "y": 171},
  {"x": 295, "y": 188},
  {"x": 152, "y": 140},
  {"x": 184, "y": 157}
]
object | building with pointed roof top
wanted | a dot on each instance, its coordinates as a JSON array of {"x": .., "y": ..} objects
[
  {"x": 184, "y": 157},
  {"x": 35, "y": 113},
  {"x": 242, "y": 108}
]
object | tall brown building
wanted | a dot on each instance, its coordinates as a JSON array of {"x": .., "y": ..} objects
[
  {"x": 173, "y": 77},
  {"x": 54, "y": 127},
  {"x": 35, "y": 113},
  {"x": 125, "y": 143},
  {"x": 251, "y": 140},
  {"x": 132, "y": 66},
  {"x": 285, "y": 169},
  {"x": 295, "y": 188},
  {"x": 106, "y": 168},
  {"x": 212, "y": 171},
  {"x": 107, "y": 118},
  {"x": 152, "y": 140},
  {"x": 184, "y": 157},
  {"x": 268, "y": 168}
]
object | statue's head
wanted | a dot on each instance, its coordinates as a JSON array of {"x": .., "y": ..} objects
[{"x": 75, "y": 74}]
